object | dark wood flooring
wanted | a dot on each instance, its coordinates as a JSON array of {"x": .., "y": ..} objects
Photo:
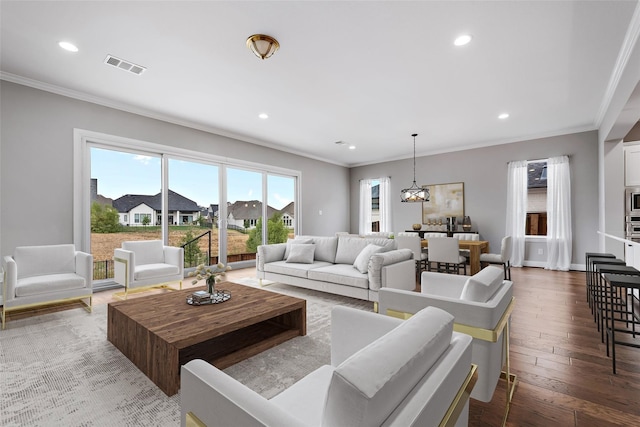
[{"x": 564, "y": 375}]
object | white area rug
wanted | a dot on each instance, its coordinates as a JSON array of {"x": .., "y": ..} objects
[{"x": 59, "y": 369}]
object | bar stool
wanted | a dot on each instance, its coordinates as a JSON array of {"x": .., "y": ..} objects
[
  {"x": 594, "y": 281},
  {"x": 589, "y": 270},
  {"x": 625, "y": 285},
  {"x": 602, "y": 299}
]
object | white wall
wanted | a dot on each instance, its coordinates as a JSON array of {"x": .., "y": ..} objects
[
  {"x": 484, "y": 173},
  {"x": 36, "y": 171}
]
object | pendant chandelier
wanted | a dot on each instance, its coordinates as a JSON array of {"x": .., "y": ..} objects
[{"x": 414, "y": 193}]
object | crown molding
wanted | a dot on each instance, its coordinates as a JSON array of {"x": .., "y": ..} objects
[
  {"x": 82, "y": 96},
  {"x": 630, "y": 40}
]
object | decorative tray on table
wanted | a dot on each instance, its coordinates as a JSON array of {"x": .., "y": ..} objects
[{"x": 205, "y": 298}]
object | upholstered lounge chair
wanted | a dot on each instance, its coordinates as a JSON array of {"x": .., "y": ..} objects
[
  {"x": 41, "y": 275},
  {"x": 383, "y": 371},
  {"x": 145, "y": 264},
  {"x": 482, "y": 306}
]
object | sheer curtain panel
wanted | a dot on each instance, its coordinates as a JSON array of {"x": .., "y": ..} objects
[
  {"x": 385, "y": 204},
  {"x": 559, "y": 240},
  {"x": 364, "y": 226},
  {"x": 517, "y": 209}
]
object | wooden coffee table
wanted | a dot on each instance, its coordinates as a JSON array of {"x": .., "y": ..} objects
[{"x": 160, "y": 333}]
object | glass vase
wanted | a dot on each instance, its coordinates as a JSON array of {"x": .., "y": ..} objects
[
  {"x": 466, "y": 223},
  {"x": 211, "y": 282}
]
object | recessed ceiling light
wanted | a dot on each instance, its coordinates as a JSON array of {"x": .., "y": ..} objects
[
  {"x": 68, "y": 46},
  {"x": 503, "y": 116},
  {"x": 462, "y": 40},
  {"x": 352, "y": 147},
  {"x": 263, "y": 116}
]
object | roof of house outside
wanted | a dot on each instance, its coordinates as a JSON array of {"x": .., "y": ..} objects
[
  {"x": 290, "y": 209},
  {"x": 537, "y": 175},
  {"x": 177, "y": 202},
  {"x": 249, "y": 209}
]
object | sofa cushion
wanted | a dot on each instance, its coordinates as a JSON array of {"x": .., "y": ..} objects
[
  {"x": 481, "y": 286},
  {"x": 37, "y": 285},
  {"x": 44, "y": 260},
  {"x": 301, "y": 253},
  {"x": 146, "y": 251},
  {"x": 296, "y": 240},
  {"x": 362, "y": 260},
  {"x": 349, "y": 247},
  {"x": 341, "y": 274},
  {"x": 325, "y": 248},
  {"x": 369, "y": 385},
  {"x": 150, "y": 271},
  {"x": 293, "y": 269}
]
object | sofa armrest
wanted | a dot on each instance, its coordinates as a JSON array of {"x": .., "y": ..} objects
[
  {"x": 10, "y": 278},
  {"x": 378, "y": 261},
  {"x": 84, "y": 267},
  {"x": 269, "y": 253},
  {"x": 449, "y": 285},
  {"x": 352, "y": 330},
  {"x": 175, "y": 256},
  {"x": 219, "y": 400},
  {"x": 123, "y": 266}
]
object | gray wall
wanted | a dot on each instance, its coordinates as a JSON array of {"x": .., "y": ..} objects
[
  {"x": 484, "y": 173},
  {"x": 36, "y": 174}
]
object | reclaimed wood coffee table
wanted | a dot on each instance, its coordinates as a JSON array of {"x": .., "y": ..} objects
[{"x": 160, "y": 333}]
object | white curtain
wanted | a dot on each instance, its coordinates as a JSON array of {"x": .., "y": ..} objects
[
  {"x": 385, "y": 204},
  {"x": 517, "y": 209},
  {"x": 365, "y": 207},
  {"x": 559, "y": 240}
]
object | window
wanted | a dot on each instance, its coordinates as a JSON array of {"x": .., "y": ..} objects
[
  {"x": 536, "y": 224},
  {"x": 375, "y": 207},
  {"x": 167, "y": 191}
]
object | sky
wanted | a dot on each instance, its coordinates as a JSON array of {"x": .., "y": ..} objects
[{"x": 120, "y": 173}]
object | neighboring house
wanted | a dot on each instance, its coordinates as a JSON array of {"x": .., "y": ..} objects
[
  {"x": 246, "y": 210},
  {"x": 133, "y": 208},
  {"x": 288, "y": 214}
]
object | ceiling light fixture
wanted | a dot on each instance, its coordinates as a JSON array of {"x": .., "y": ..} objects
[
  {"x": 68, "y": 46},
  {"x": 263, "y": 116},
  {"x": 462, "y": 40},
  {"x": 352, "y": 147},
  {"x": 262, "y": 46},
  {"x": 414, "y": 193},
  {"x": 503, "y": 116}
]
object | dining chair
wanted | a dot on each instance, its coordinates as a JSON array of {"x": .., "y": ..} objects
[
  {"x": 445, "y": 252},
  {"x": 502, "y": 258}
]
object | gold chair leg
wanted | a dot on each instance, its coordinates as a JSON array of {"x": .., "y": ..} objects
[{"x": 510, "y": 378}]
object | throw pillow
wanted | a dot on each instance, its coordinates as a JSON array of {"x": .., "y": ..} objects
[
  {"x": 296, "y": 240},
  {"x": 301, "y": 253},
  {"x": 362, "y": 260}
]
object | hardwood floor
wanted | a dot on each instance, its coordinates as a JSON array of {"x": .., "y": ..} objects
[{"x": 564, "y": 375}]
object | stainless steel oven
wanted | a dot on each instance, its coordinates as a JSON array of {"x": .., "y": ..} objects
[
  {"x": 632, "y": 197},
  {"x": 632, "y": 227}
]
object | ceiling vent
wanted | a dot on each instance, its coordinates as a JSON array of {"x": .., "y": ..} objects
[
  {"x": 124, "y": 65},
  {"x": 340, "y": 143}
]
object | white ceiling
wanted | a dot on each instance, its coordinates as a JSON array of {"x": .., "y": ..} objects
[{"x": 367, "y": 73}]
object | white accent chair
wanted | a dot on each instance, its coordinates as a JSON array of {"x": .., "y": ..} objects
[
  {"x": 503, "y": 258},
  {"x": 383, "y": 371},
  {"x": 482, "y": 306},
  {"x": 41, "y": 275},
  {"x": 446, "y": 251},
  {"x": 411, "y": 241},
  {"x": 144, "y": 264}
]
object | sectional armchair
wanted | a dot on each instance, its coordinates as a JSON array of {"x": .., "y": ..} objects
[{"x": 383, "y": 372}]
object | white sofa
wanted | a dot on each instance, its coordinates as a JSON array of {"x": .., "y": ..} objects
[
  {"x": 481, "y": 305},
  {"x": 39, "y": 275},
  {"x": 351, "y": 266},
  {"x": 383, "y": 372}
]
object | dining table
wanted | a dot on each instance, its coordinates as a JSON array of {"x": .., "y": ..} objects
[{"x": 475, "y": 247}]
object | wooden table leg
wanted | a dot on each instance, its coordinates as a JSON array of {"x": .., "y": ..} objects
[{"x": 474, "y": 259}]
